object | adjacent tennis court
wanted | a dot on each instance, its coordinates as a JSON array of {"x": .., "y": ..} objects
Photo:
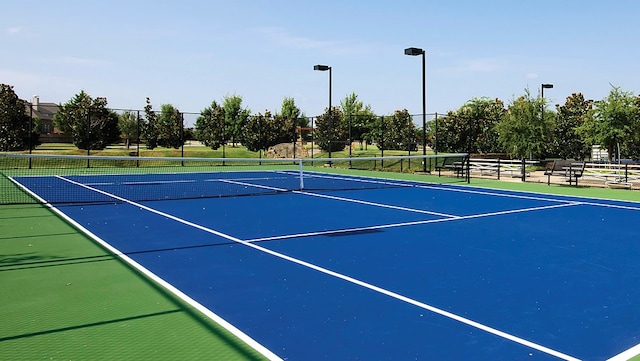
[{"x": 314, "y": 265}]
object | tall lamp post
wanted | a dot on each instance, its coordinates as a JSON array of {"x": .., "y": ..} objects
[
  {"x": 542, "y": 88},
  {"x": 415, "y": 52},
  {"x": 325, "y": 68}
]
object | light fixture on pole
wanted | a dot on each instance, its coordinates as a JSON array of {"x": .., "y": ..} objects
[
  {"x": 545, "y": 86},
  {"x": 415, "y": 52},
  {"x": 325, "y": 68}
]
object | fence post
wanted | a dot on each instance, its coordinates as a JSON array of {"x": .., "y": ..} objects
[
  {"x": 295, "y": 122},
  {"x": 313, "y": 131},
  {"x": 182, "y": 137},
  {"x": 138, "y": 139},
  {"x": 30, "y": 131},
  {"x": 88, "y": 137},
  {"x": 382, "y": 141},
  {"x": 626, "y": 173},
  {"x": 524, "y": 171}
]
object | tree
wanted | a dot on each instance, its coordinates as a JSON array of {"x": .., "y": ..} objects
[
  {"x": 170, "y": 127},
  {"x": 567, "y": 140},
  {"x": 359, "y": 117},
  {"x": 148, "y": 125},
  {"x": 210, "y": 126},
  {"x": 632, "y": 148},
  {"x": 523, "y": 132},
  {"x": 614, "y": 122},
  {"x": 330, "y": 130},
  {"x": 453, "y": 130},
  {"x": 18, "y": 130},
  {"x": 483, "y": 114},
  {"x": 263, "y": 131},
  {"x": 471, "y": 128},
  {"x": 235, "y": 117},
  {"x": 395, "y": 132},
  {"x": 91, "y": 124},
  {"x": 290, "y": 111},
  {"x": 128, "y": 123}
]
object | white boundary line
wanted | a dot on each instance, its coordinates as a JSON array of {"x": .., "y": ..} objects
[
  {"x": 169, "y": 287},
  {"x": 403, "y": 224},
  {"x": 379, "y": 205},
  {"x": 497, "y": 192},
  {"x": 346, "y": 278},
  {"x": 627, "y": 354},
  {"x": 351, "y": 200}
]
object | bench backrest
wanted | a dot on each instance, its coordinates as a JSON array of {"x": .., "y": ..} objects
[{"x": 562, "y": 165}]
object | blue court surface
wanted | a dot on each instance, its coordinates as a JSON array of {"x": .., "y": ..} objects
[{"x": 402, "y": 272}]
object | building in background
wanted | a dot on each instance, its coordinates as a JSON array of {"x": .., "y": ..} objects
[{"x": 45, "y": 113}]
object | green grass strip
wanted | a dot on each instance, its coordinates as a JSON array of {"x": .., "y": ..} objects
[{"x": 65, "y": 298}]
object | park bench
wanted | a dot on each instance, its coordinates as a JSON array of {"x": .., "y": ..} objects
[
  {"x": 454, "y": 164},
  {"x": 569, "y": 169}
]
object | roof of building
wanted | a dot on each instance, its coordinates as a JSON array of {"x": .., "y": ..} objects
[{"x": 44, "y": 111}]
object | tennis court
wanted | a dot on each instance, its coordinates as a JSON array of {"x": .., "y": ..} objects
[{"x": 315, "y": 265}]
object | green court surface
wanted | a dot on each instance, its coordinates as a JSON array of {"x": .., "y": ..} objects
[{"x": 65, "y": 298}]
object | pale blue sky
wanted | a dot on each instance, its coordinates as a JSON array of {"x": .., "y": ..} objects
[{"x": 189, "y": 53}]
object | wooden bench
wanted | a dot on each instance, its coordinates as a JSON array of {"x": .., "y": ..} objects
[{"x": 569, "y": 169}]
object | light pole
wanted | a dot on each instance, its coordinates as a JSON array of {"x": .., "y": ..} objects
[
  {"x": 415, "y": 52},
  {"x": 542, "y": 88},
  {"x": 325, "y": 68}
]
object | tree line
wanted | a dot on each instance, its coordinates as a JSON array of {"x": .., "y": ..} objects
[{"x": 525, "y": 128}]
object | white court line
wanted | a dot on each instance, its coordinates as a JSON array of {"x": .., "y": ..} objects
[
  {"x": 243, "y": 179},
  {"x": 404, "y": 224},
  {"x": 626, "y": 355},
  {"x": 168, "y": 286},
  {"x": 453, "y": 188},
  {"x": 254, "y": 185},
  {"x": 326, "y": 271},
  {"x": 362, "y": 180},
  {"x": 380, "y": 205},
  {"x": 351, "y": 200},
  {"x": 496, "y": 192},
  {"x": 422, "y": 185}
]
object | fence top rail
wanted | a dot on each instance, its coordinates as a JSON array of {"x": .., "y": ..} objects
[
  {"x": 612, "y": 165},
  {"x": 501, "y": 161}
]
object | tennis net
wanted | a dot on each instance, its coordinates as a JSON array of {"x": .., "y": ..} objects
[{"x": 53, "y": 179}]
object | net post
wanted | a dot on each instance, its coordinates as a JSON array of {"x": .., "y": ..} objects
[{"x": 300, "y": 174}]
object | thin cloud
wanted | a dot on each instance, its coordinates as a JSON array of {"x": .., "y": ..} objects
[
  {"x": 281, "y": 37},
  {"x": 481, "y": 65},
  {"x": 76, "y": 61},
  {"x": 15, "y": 30}
]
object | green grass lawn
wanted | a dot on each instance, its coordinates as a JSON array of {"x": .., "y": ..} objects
[
  {"x": 65, "y": 298},
  {"x": 199, "y": 151}
]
